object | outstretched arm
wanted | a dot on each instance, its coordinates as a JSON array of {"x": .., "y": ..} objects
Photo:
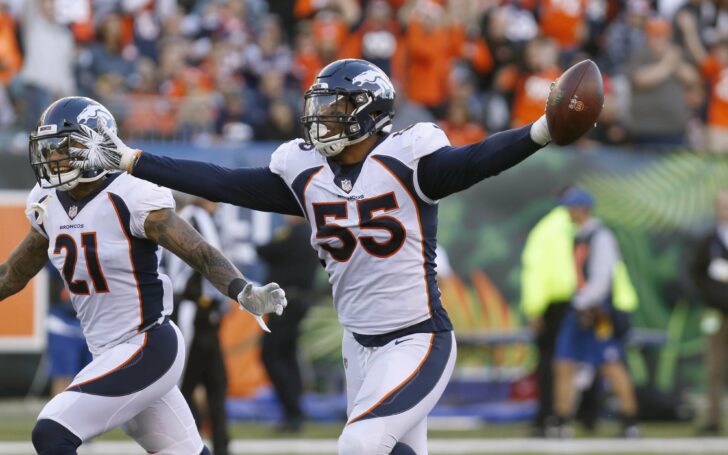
[
  {"x": 453, "y": 169},
  {"x": 254, "y": 188},
  {"x": 24, "y": 263},
  {"x": 170, "y": 231}
]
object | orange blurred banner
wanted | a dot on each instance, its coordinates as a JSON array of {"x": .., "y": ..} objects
[
  {"x": 22, "y": 316},
  {"x": 240, "y": 340}
]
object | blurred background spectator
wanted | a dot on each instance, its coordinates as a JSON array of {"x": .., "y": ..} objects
[
  {"x": 532, "y": 83},
  {"x": 293, "y": 265},
  {"x": 234, "y": 70},
  {"x": 10, "y": 62},
  {"x": 67, "y": 349},
  {"x": 548, "y": 281},
  {"x": 591, "y": 338},
  {"x": 199, "y": 309},
  {"x": 48, "y": 59},
  {"x": 714, "y": 67},
  {"x": 709, "y": 273},
  {"x": 662, "y": 79},
  {"x": 459, "y": 127}
]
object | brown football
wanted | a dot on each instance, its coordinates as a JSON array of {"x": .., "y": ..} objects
[{"x": 575, "y": 102}]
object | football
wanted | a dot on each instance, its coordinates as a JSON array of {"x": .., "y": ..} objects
[{"x": 575, "y": 102}]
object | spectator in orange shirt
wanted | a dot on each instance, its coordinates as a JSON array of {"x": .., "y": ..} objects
[
  {"x": 10, "y": 58},
  {"x": 505, "y": 30},
  {"x": 532, "y": 88},
  {"x": 329, "y": 32},
  {"x": 350, "y": 10},
  {"x": 472, "y": 48},
  {"x": 10, "y": 61},
  {"x": 459, "y": 128},
  {"x": 429, "y": 57},
  {"x": 317, "y": 43},
  {"x": 715, "y": 70},
  {"x": 564, "y": 21},
  {"x": 306, "y": 60},
  {"x": 377, "y": 38}
]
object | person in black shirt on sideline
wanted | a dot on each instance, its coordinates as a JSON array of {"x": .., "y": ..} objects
[
  {"x": 198, "y": 311},
  {"x": 289, "y": 257}
]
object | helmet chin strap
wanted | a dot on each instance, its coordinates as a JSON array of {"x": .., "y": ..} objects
[
  {"x": 333, "y": 148},
  {"x": 72, "y": 179},
  {"x": 83, "y": 179},
  {"x": 329, "y": 149},
  {"x": 66, "y": 181}
]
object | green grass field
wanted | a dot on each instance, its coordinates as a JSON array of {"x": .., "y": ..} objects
[
  {"x": 17, "y": 420},
  {"x": 18, "y": 428}
]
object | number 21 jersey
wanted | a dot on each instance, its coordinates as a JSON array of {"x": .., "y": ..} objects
[{"x": 99, "y": 246}]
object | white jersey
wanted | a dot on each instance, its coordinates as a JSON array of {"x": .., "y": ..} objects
[
  {"x": 373, "y": 228},
  {"x": 99, "y": 246}
]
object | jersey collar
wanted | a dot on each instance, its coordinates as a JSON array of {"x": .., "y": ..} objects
[{"x": 74, "y": 207}]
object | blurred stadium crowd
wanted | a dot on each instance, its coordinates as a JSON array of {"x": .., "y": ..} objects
[{"x": 234, "y": 70}]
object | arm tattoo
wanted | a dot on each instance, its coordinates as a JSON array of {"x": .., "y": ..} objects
[
  {"x": 23, "y": 264},
  {"x": 173, "y": 233}
]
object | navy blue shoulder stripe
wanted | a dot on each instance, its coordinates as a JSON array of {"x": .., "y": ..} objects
[
  {"x": 301, "y": 182},
  {"x": 143, "y": 254},
  {"x": 427, "y": 214}
]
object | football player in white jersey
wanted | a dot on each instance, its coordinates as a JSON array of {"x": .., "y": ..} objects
[
  {"x": 101, "y": 231},
  {"x": 371, "y": 197}
]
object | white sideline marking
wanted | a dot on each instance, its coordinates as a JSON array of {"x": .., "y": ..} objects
[{"x": 437, "y": 446}]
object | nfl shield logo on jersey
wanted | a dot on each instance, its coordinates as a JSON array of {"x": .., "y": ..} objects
[
  {"x": 72, "y": 211},
  {"x": 346, "y": 185}
]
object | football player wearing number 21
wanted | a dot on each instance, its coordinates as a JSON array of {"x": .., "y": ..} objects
[
  {"x": 101, "y": 230},
  {"x": 371, "y": 197}
]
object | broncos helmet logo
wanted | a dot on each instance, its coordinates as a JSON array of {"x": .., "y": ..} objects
[
  {"x": 377, "y": 78},
  {"x": 97, "y": 113}
]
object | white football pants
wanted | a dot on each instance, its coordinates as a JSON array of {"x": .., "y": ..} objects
[
  {"x": 391, "y": 389},
  {"x": 133, "y": 384}
]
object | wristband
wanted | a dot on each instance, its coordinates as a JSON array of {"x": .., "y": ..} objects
[
  {"x": 235, "y": 287},
  {"x": 540, "y": 131},
  {"x": 129, "y": 159}
]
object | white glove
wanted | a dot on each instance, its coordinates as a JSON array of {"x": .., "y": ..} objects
[
  {"x": 718, "y": 270},
  {"x": 540, "y": 131},
  {"x": 102, "y": 149},
  {"x": 259, "y": 300}
]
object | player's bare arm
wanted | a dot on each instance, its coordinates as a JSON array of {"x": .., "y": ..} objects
[
  {"x": 168, "y": 230},
  {"x": 23, "y": 264}
]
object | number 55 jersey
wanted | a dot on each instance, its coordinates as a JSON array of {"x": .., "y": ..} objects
[
  {"x": 99, "y": 246},
  {"x": 373, "y": 228}
]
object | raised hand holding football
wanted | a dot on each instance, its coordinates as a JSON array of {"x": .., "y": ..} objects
[{"x": 575, "y": 102}]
